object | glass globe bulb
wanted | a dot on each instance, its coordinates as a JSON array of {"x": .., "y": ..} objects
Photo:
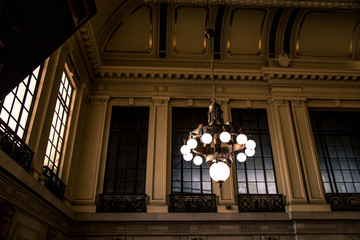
[
  {"x": 241, "y": 157},
  {"x": 250, "y": 152},
  {"x": 191, "y": 143},
  {"x": 225, "y": 137},
  {"x": 188, "y": 157},
  {"x": 206, "y": 138},
  {"x": 241, "y": 139},
  {"x": 219, "y": 172},
  {"x": 250, "y": 144},
  {"x": 198, "y": 160},
  {"x": 185, "y": 149}
]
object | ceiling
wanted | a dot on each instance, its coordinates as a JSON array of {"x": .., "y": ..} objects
[{"x": 165, "y": 39}]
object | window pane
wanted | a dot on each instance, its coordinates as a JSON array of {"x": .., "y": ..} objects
[
  {"x": 4, "y": 115},
  {"x": 55, "y": 140},
  {"x": 127, "y": 151},
  {"x": 9, "y": 99},
  {"x": 18, "y": 101},
  {"x": 21, "y": 92},
  {"x": 195, "y": 179},
  {"x": 336, "y": 137},
  {"x": 260, "y": 177}
]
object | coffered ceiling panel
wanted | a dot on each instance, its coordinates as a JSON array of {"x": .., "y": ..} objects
[
  {"x": 189, "y": 30},
  {"x": 244, "y": 32},
  {"x": 134, "y": 34},
  {"x": 327, "y": 34}
]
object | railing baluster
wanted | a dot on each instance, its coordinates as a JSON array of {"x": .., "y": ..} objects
[
  {"x": 14, "y": 146},
  {"x": 53, "y": 183},
  {"x": 261, "y": 203},
  {"x": 343, "y": 201},
  {"x": 122, "y": 203},
  {"x": 191, "y": 202}
]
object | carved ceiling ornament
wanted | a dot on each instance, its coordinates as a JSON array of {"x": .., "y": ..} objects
[{"x": 282, "y": 59}]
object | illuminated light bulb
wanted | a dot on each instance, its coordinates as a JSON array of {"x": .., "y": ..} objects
[
  {"x": 185, "y": 149},
  {"x": 250, "y": 152},
  {"x": 191, "y": 143},
  {"x": 250, "y": 144},
  {"x": 225, "y": 137},
  {"x": 219, "y": 171},
  {"x": 206, "y": 138},
  {"x": 198, "y": 160},
  {"x": 241, "y": 139},
  {"x": 209, "y": 157},
  {"x": 241, "y": 157},
  {"x": 188, "y": 157}
]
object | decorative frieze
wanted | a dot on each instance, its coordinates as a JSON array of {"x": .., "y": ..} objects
[
  {"x": 269, "y": 3},
  {"x": 177, "y": 228},
  {"x": 39, "y": 210},
  {"x": 163, "y": 78}
]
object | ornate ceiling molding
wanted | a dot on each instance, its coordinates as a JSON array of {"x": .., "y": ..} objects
[
  {"x": 269, "y": 3},
  {"x": 197, "y": 77},
  {"x": 86, "y": 36}
]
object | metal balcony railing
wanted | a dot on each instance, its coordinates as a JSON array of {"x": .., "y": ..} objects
[
  {"x": 343, "y": 201},
  {"x": 122, "y": 203},
  {"x": 53, "y": 183},
  {"x": 14, "y": 146},
  {"x": 192, "y": 202},
  {"x": 261, "y": 203}
]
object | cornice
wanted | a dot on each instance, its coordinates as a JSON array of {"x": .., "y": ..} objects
[
  {"x": 264, "y": 76},
  {"x": 269, "y": 3},
  {"x": 88, "y": 42}
]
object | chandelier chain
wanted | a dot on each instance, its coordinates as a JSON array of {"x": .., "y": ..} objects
[
  {"x": 210, "y": 35},
  {"x": 212, "y": 71}
]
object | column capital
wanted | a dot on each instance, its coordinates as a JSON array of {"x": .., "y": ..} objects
[
  {"x": 277, "y": 101},
  {"x": 222, "y": 101},
  {"x": 99, "y": 99},
  {"x": 299, "y": 101},
  {"x": 159, "y": 100}
]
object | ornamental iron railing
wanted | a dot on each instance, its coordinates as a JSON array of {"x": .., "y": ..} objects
[
  {"x": 122, "y": 203},
  {"x": 261, "y": 203},
  {"x": 343, "y": 201},
  {"x": 191, "y": 202},
  {"x": 53, "y": 183},
  {"x": 14, "y": 146}
]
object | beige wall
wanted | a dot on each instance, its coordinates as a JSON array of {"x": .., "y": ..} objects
[{"x": 283, "y": 92}]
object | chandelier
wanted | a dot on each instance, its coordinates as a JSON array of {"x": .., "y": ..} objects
[{"x": 217, "y": 143}]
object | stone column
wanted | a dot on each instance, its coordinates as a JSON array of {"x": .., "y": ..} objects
[
  {"x": 73, "y": 128},
  {"x": 157, "y": 163},
  {"x": 294, "y": 157},
  {"x": 308, "y": 155},
  {"x": 86, "y": 159},
  {"x": 226, "y": 194},
  {"x": 44, "y": 108},
  {"x": 287, "y": 163}
]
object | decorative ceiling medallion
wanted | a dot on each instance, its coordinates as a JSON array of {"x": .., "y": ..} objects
[{"x": 282, "y": 59}]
